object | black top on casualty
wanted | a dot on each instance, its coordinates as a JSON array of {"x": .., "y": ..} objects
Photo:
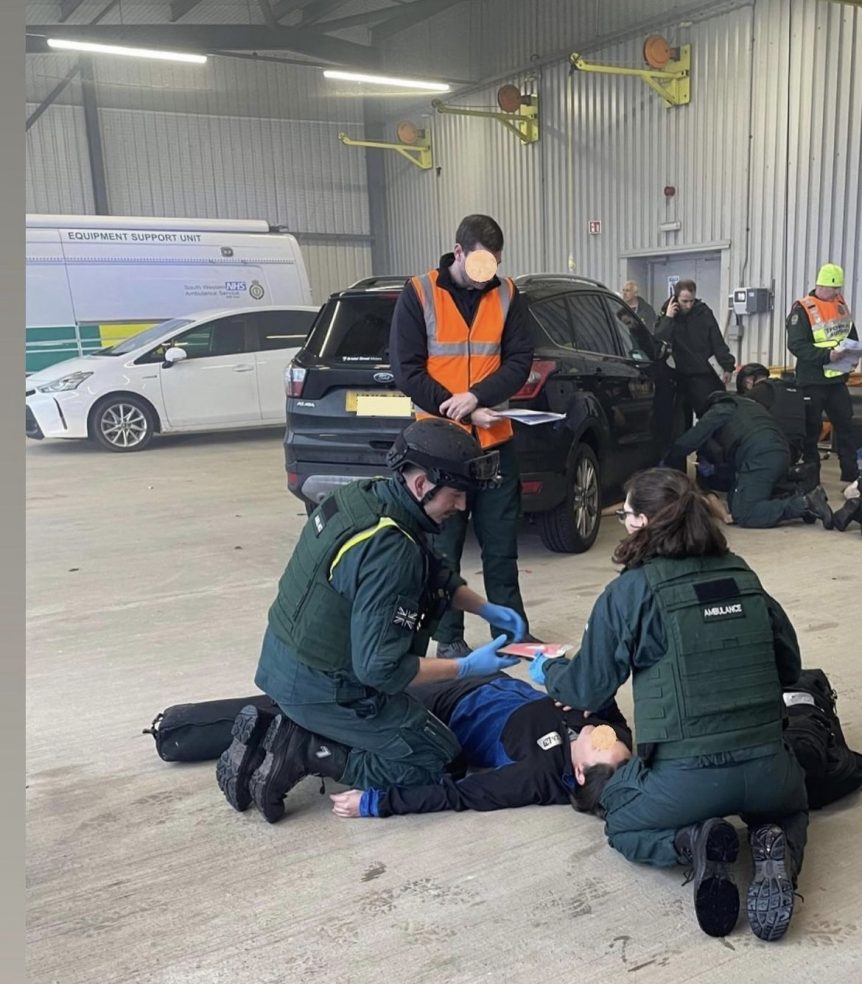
[{"x": 594, "y": 362}]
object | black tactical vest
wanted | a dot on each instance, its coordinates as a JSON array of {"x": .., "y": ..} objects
[{"x": 788, "y": 411}]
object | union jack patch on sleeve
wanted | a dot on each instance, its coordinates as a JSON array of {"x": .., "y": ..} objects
[{"x": 406, "y": 615}]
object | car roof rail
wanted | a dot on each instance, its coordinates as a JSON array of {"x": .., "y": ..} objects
[
  {"x": 529, "y": 278},
  {"x": 387, "y": 280}
]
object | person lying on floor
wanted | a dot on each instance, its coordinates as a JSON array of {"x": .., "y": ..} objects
[{"x": 533, "y": 752}]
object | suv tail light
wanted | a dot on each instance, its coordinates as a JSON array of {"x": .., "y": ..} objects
[
  {"x": 542, "y": 369},
  {"x": 294, "y": 380}
]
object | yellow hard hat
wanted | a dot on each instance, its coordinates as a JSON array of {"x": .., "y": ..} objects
[{"x": 830, "y": 275}]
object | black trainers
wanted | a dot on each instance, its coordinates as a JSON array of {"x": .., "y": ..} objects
[
  {"x": 770, "y": 894},
  {"x": 453, "y": 650},
  {"x": 818, "y": 506},
  {"x": 238, "y": 762},
  {"x": 710, "y": 847}
]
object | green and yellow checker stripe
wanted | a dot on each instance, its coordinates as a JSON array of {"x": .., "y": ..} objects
[{"x": 54, "y": 343}]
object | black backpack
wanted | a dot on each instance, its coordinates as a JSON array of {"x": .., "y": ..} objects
[
  {"x": 202, "y": 731},
  {"x": 813, "y": 732}
]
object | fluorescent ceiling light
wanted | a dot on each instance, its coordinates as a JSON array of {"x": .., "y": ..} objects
[
  {"x": 386, "y": 80},
  {"x": 119, "y": 49}
]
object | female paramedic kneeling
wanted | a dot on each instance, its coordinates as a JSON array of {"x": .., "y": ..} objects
[{"x": 708, "y": 650}]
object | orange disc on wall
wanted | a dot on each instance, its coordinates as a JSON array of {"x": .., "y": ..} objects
[
  {"x": 657, "y": 52},
  {"x": 509, "y": 98}
]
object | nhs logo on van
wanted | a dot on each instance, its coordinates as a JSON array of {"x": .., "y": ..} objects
[{"x": 235, "y": 286}]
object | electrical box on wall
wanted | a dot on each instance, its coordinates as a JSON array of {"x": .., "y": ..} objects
[{"x": 751, "y": 300}]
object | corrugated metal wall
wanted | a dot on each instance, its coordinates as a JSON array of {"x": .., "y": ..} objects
[
  {"x": 775, "y": 206},
  {"x": 58, "y": 167},
  {"x": 765, "y": 159},
  {"x": 232, "y": 139}
]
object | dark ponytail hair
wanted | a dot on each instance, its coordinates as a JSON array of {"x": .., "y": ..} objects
[{"x": 680, "y": 522}]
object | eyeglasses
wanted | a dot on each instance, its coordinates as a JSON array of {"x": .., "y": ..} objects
[{"x": 622, "y": 513}]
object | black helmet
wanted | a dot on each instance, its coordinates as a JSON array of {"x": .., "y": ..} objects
[
  {"x": 747, "y": 371},
  {"x": 448, "y": 454}
]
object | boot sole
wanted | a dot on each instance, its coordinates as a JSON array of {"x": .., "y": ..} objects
[
  {"x": 237, "y": 763},
  {"x": 770, "y": 895},
  {"x": 259, "y": 783},
  {"x": 716, "y": 897}
]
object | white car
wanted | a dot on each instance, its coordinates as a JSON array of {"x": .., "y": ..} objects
[{"x": 219, "y": 370}]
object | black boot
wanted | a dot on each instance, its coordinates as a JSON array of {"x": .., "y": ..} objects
[
  {"x": 244, "y": 755},
  {"x": 292, "y": 753},
  {"x": 850, "y": 511},
  {"x": 710, "y": 847},
  {"x": 817, "y": 505},
  {"x": 770, "y": 894}
]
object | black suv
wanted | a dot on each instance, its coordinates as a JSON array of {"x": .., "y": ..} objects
[{"x": 594, "y": 361}]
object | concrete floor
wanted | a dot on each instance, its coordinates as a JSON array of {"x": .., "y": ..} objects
[{"x": 149, "y": 577}]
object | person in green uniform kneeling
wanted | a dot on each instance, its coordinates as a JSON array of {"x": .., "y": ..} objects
[
  {"x": 353, "y": 615},
  {"x": 708, "y": 651}
]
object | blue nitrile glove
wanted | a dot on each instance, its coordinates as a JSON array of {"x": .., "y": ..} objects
[
  {"x": 537, "y": 669},
  {"x": 506, "y": 618},
  {"x": 485, "y": 660},
  {"x": 705, "y": 468}
]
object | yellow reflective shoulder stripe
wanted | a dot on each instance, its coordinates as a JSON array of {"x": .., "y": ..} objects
[{"x": 364, "y": 535}]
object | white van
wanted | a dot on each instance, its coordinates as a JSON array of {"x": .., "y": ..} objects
[{"x": 93, "y": 280}]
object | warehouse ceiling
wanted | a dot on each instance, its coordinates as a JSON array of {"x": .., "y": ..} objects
[{"x": 336, "y": 32}]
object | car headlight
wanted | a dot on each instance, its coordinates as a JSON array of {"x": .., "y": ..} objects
[{"x": 64, "y": 383}]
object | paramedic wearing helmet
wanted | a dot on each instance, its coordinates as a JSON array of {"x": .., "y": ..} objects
[
  {"x": 355, "y": 609},
  {"x": 818, "y": 326}
]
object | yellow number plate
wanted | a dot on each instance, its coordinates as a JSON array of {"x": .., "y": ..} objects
[{"x": 370, "y": 400}]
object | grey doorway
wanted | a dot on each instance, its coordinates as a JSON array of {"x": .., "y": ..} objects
[{"x": 703, "y": 268}]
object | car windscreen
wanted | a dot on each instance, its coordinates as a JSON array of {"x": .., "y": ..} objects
[
  {"x": 145, "y": 337},
  {"x": 353, "y": 329}
]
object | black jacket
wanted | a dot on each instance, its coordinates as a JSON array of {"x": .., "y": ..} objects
[
  {"x": 693, "y": 338},
  {"x": 537, "y": 775},
  {"x": 408, "y": 345}
]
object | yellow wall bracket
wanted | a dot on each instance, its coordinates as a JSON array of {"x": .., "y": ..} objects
[
  {"x": 671, "y": 83},
  {"x": 418, "y": 153},
  {"x": 524, "y": 122}
]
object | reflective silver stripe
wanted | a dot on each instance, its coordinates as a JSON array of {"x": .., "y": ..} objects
[
  {"x": 505, "y": 295},
  {"x": 426, "y": 299},
  {"x": 465, "y": 348},
  {"x": 462, "y": 348}
]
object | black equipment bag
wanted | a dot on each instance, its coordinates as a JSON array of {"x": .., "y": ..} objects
[
  {"x": 202, "y": 731},
  {"x": 813, "y": 732}
]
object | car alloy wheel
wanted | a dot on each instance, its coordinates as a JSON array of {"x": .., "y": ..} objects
[
  {"x": 123, "y": 424},
  {"x": 572, "y": 526},
  {"x": 585, "y": 497}
]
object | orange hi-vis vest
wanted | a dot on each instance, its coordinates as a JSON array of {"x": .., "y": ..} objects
[
  {"x": 459, "y": 354},
  {"x": 830, "y": 324}
]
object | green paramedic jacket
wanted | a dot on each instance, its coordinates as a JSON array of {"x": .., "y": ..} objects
[
  {"x": 314, "y": 613},
  {"x": 708, "y": 650}
]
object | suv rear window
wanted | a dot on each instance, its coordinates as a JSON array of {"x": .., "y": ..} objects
[{"x": 353, "y": 328}]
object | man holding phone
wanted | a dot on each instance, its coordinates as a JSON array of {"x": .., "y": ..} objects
[{"x": 689, "y": 328}]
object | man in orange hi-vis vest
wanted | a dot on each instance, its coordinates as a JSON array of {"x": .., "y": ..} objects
[
  {"x": 819, "y": 327},
  {"x": 460, "y": 345}
]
